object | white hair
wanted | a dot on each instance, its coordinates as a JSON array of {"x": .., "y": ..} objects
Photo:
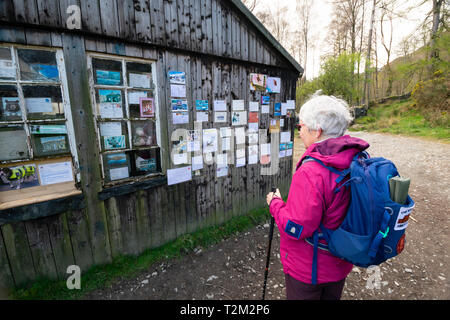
[{"x": 327, "y": 113}]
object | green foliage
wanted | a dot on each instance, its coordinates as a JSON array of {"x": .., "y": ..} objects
[
  {"x": 102, "y": 276},
  {"x": 432, "y": 99},
  {"x": 400, "y": 117}
]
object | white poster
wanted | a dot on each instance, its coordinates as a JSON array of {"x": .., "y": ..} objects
[
  {"x": 221, "y": 160},
  {"x": 138, "y": 80},
  {"x": 110, "y": 128},
  {"x": 180, "y": 158},
  {"x": 133, "y": 96},
  {"x": 220, "y": 105},
  {"x": 239, "y": 118},
  {"x": 7, "y": 69},
  {"x": 222, "y": 171},
  {"x": 252, "y": 138},
  {"x": 265, "y": 108},
  {"x": 273, "y": 85},
  {"x": 178, "y": 90},
  {"x": 253, "y": 159},
  {"x": 118, "y": 173},
  {"x": 285, "y": 136},
  {"x": 288, "y": 152},
  {"x": 253, "y": 126},
  {"x": 238, "y": 105},
  {"x": 226, "y": 143},
  {"x": 39, "y": 105},
  {"x": 284, "y": 109},
  {"x": 254, "y": 106},
  {"x": 202, "y": 116},
  {"x": 52, "y": 173},
  {"x": 225, "y": 132},
  {"x": 220, "y": 117},
  {"x": 290, "y": 104},
  {"x": 240, "y": 135},
  {"x": 197, "y": 163},
  {"x": 111, "y": 110},
  {"x": 265, "y": 149},
  {"x": 180, "y": 117},
  {"x": 209, "y": 140},
  {"x": 179, "y": 175},
  {"x": 240, "y": 162},
  {"x": 240, "y": 153}
]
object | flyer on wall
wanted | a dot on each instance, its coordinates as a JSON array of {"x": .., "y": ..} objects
[
  {"x": 147, "y": 107},
  {"x": 177, "y": 77},
  {"x": 18, "y": 177}
]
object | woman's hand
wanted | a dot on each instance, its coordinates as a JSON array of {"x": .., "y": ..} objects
[{"x": 270, "y": 196}]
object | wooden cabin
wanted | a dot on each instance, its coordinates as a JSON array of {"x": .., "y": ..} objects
[{"x": 126, "y": 124}]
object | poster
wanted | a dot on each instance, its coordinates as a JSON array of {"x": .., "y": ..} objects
[
  {"x": 7, "y": 69},
  {"x": 114, "y": 142},
  {"x": 10, "y": 107},
  {"x": 210, "y": 140},
  {"x": 44, "y": 71},
  {"x": 277, "y": 109},
  {"x": 109, "y": 78},
  {"x": 110, "y": 128},
  {"x": 225, "y": 132},
  {"x": 285, "y": 136},
  {"x": 134, "y": 96},
  {"x": 221, "y": 160},
  {"x": 238, "y": 105},
  {"x": 179, "y": 175},
  {"x": 274, "y": 125},
  {"x": 253, "y": 117},
  {"x": 115, "y": 159},
  {"x": 197, "y": 163},
  {"x": 143, "y": 133},
  {"x": 110, "y": 103},
  {"x": 220, "y": 105},
  {"x": 282, "y": 150},
  {"x": 177, "y": 77},
  {"x": 220, "y": 117},
  {"x": 240, "y": 135},
  {"x": 239, "y": 118},
  {"x": 253, "y": 106},
  {"x": 178, "y": 90},
  {"x": 52, "y": 144},
  {"x": 226, "y": 143},
  {"x": 193, "y": 141},
  {"x": 147, "y": 107},
  {"x": 140, "y": 80},
  {"x": 145, "y": 164},
  {"x": 13, "y": 143},
  {"x": 253, "y": 126},
  {"x": 273, "y": 85},
  {"x": 265, "y": 100},
  {"x": 48, "y": 129},
  {"x": 180, "y": 117},
  {"x": 252, "y": 138},
  {"x": 257, "y": 82},
  {"x": 39, "y": 105},
  {"x": 18, "y": 177},
  {"x": 201, "y": 105},
  {"x": 240, "y": 153},
  {"x": 265, "y": 109},
  {"x": 118, "y": 173},
  {"x": 179, "y": 105},
  {"x": 222, "y": 171},
  {"x": 240, "y": 162},
  {"x": 290, "y": 104},
  {"x": 283, "y": 109},
  {"x": 202, "y": 116},
  {"x": 52, "y": 173}
]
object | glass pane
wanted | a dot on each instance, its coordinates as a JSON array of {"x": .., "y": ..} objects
[
  {"x": 7, "y": 69},
  {"x": 37, "y": 65},
  {"x": 114, "y": 135},
  {"x": 49, "y": 139},
  {"x": 117, "y": 166},
  {"x": 107, "y": 72},
  {"x": 13, "y": 143},
  {"x": 43, "y": 102},
  {"x": 9, "y": 104},
  {"x": 143, "y": 133},
  {"x": 109, "y": 103},
  {"x": 144, "y": 162},
  {"x": 141, "y": 108},
  {"x": 139, "y": 75}
]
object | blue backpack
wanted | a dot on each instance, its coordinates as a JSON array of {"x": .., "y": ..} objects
[{"x": 373, "y": 229}]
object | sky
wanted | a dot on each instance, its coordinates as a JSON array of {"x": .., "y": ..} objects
[{"x": 322, "y": 15}]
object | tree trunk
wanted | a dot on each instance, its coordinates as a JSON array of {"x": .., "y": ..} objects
[
  {"x": 369, "y": 49},
  {"x": 434, "y": 52}
]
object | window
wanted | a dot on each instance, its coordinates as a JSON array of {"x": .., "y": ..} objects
[
  {"x": 125, "y": 110},
  {"x": 36, "y": 134}
]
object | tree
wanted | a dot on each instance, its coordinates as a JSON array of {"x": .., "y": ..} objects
[
  {"x": 304, "y": 8},
  {"x": 369, "y": 49},
  {"x": 250, "y": 4}
]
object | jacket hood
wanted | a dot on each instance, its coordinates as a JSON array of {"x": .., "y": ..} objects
[{"x": 336, "y": 152}]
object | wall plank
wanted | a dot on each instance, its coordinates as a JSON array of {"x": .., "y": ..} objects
[{"x": 6, "y": 278}]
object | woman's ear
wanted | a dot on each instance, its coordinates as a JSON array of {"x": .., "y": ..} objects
[{"x": 318, "y": 133}]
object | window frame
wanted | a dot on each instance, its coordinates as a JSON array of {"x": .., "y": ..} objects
[
  {"x": 128, "y": 119},
  {"x": 26, "y": 122}
]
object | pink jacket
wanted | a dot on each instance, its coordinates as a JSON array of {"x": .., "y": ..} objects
[{"x": 311, "y": 200}]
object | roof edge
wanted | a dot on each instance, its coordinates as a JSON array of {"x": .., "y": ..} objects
[{"x": 267, "y": 34}]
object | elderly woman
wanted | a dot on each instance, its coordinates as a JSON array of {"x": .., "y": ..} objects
[{"x": 311, "y": 200}]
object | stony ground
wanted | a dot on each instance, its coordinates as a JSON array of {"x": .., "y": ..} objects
[{"x": 234, "y": 268}]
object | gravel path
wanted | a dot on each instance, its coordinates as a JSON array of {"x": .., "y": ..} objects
[{"x": 234, "y": 268}]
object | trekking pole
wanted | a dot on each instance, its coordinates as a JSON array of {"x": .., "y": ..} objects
[{"x": 266, "y": 272}]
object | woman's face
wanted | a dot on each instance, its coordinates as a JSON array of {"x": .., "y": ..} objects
[{"x": 308, "y": 136}]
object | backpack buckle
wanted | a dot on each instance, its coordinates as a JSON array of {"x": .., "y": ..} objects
[{"x": 384, "y": 234}]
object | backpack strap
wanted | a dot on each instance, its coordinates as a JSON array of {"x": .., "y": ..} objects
[
  {"x": 382, "y": 233},
  {"x": 314, "y": 241},
  {"x": 342, "y": 174}
]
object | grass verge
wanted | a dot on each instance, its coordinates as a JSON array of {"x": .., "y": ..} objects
[
  {"x": 400, "y": 117},
  {"x": 99, "y": 277}
]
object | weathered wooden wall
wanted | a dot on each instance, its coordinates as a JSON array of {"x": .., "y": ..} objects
[{"x": 218, "y": 50}]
